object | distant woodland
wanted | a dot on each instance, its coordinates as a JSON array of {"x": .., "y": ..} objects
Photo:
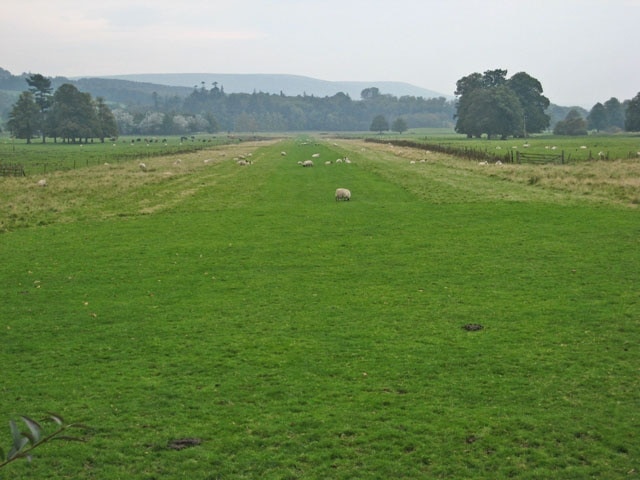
[{"x": 140, "y": 108}]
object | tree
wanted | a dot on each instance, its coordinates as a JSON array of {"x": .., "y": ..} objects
[
  {"x": 24, "y": 118},
  {"x": 632, "y": 116},
  {"x": 534, "y": 104},
  {"x": 492, "y": 104},
  {"x": 73, "y": 116},
  {"x": 41, "y": 88},
  {"x": 496, "y": 111},
  {"x": 379, "y": 124},
  {"x": 597, "y": 119},
  {"x": 615, "y": 113},
  {"x": 399, "y": 125},
  {"x": 573, "y": 124},
  {"x": 370, "y": 93}
]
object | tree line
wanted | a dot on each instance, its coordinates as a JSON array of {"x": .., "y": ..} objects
[
  {"x": 67, "y": 114},
  {"x": 493, "y": 105},
  {"x": 487, "y": 104},
  {"x": 213, "y": 110}
]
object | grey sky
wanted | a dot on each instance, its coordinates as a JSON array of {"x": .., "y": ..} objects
[{"x": 582, "y": 51}]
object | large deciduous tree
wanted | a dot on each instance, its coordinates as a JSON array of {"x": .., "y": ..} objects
[
  {"x": 491, "y": 104},
  {"x": 615, "y": 113},
  {"x": 597, "y": 118},
  {"x": 24, "y": 118},
  {"x": 529, "y": 93},
  {"x": 73, "y": 116},
  {"x": 632, "y": 116}
]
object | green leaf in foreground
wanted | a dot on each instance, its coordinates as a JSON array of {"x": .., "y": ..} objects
[{"x": 24, "y": 442}]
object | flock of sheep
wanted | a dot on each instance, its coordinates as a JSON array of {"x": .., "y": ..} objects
[{"x": 343, "y": 194}]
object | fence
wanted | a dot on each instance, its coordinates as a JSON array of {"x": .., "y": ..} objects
[
  {"x": 539, "y": 158},
  {"x": 11, "y": 170},
  {"x": 462, "y": 152}
]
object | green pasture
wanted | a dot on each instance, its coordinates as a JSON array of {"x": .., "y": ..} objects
[
  {"x": 575, "y": 149},
  {"x": 39, "y": 159},
  {"x": 290, "y": 336}
]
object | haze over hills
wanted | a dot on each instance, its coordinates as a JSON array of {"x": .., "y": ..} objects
[{"x": 290, "y": 85}]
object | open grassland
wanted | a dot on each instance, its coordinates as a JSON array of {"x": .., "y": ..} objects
[
  {"x": 576, "y": 149},
  {"x": 40, "y": 159},
  {"x": 296, "y": 337}
]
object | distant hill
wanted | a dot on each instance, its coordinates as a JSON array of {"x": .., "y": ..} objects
[{"x": 290, "y": 85}]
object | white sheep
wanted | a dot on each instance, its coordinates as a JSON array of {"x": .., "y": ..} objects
[
  {"x": 328, "y": 162},
  {"x": 42, "y": 183},
  {"x": 343, "y": 194},
  {"x": 338, "y": 160},
  {"x": 307, "y": 163},
  {"x": 143, "y": 167},
  {"x": 315, "y": 155},
  {"x": 483, "y": 163},
  {"x": 284, "y": 154},
  {"x": 242, "y": 163}
]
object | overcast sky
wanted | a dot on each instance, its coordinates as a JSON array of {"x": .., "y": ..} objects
[{"x": 582, "y": 51}]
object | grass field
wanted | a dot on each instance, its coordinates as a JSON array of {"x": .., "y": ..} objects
[
  {"x": 576, "y": 149},
  {"x": 295, "y": 337}
]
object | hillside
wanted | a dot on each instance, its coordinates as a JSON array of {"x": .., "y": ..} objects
[{"x": 290, "y": 85}]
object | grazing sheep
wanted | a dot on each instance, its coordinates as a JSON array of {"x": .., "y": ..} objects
[
  {"x": 42, "y": 183},
  {"x": 284, "y": 154},
  {"x": 143, "y": 167},
  {"x": 483, "y": 163},
  {"x": 244, "y": 162},
  {"x": 346, "y": 160},
  {"x": 339, "y": 160},
  {"x": 343, "y": 194},
  {"x": 328, "y": 162},
  {"x": 412, "y": 162},
  {"x": 307, "y": 163},
  {"x": 498, "y": 162},
  {"x": 315, "y": 155}
]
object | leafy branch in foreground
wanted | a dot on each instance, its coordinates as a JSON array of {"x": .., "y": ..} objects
[{"x": 24, "y": 442}]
